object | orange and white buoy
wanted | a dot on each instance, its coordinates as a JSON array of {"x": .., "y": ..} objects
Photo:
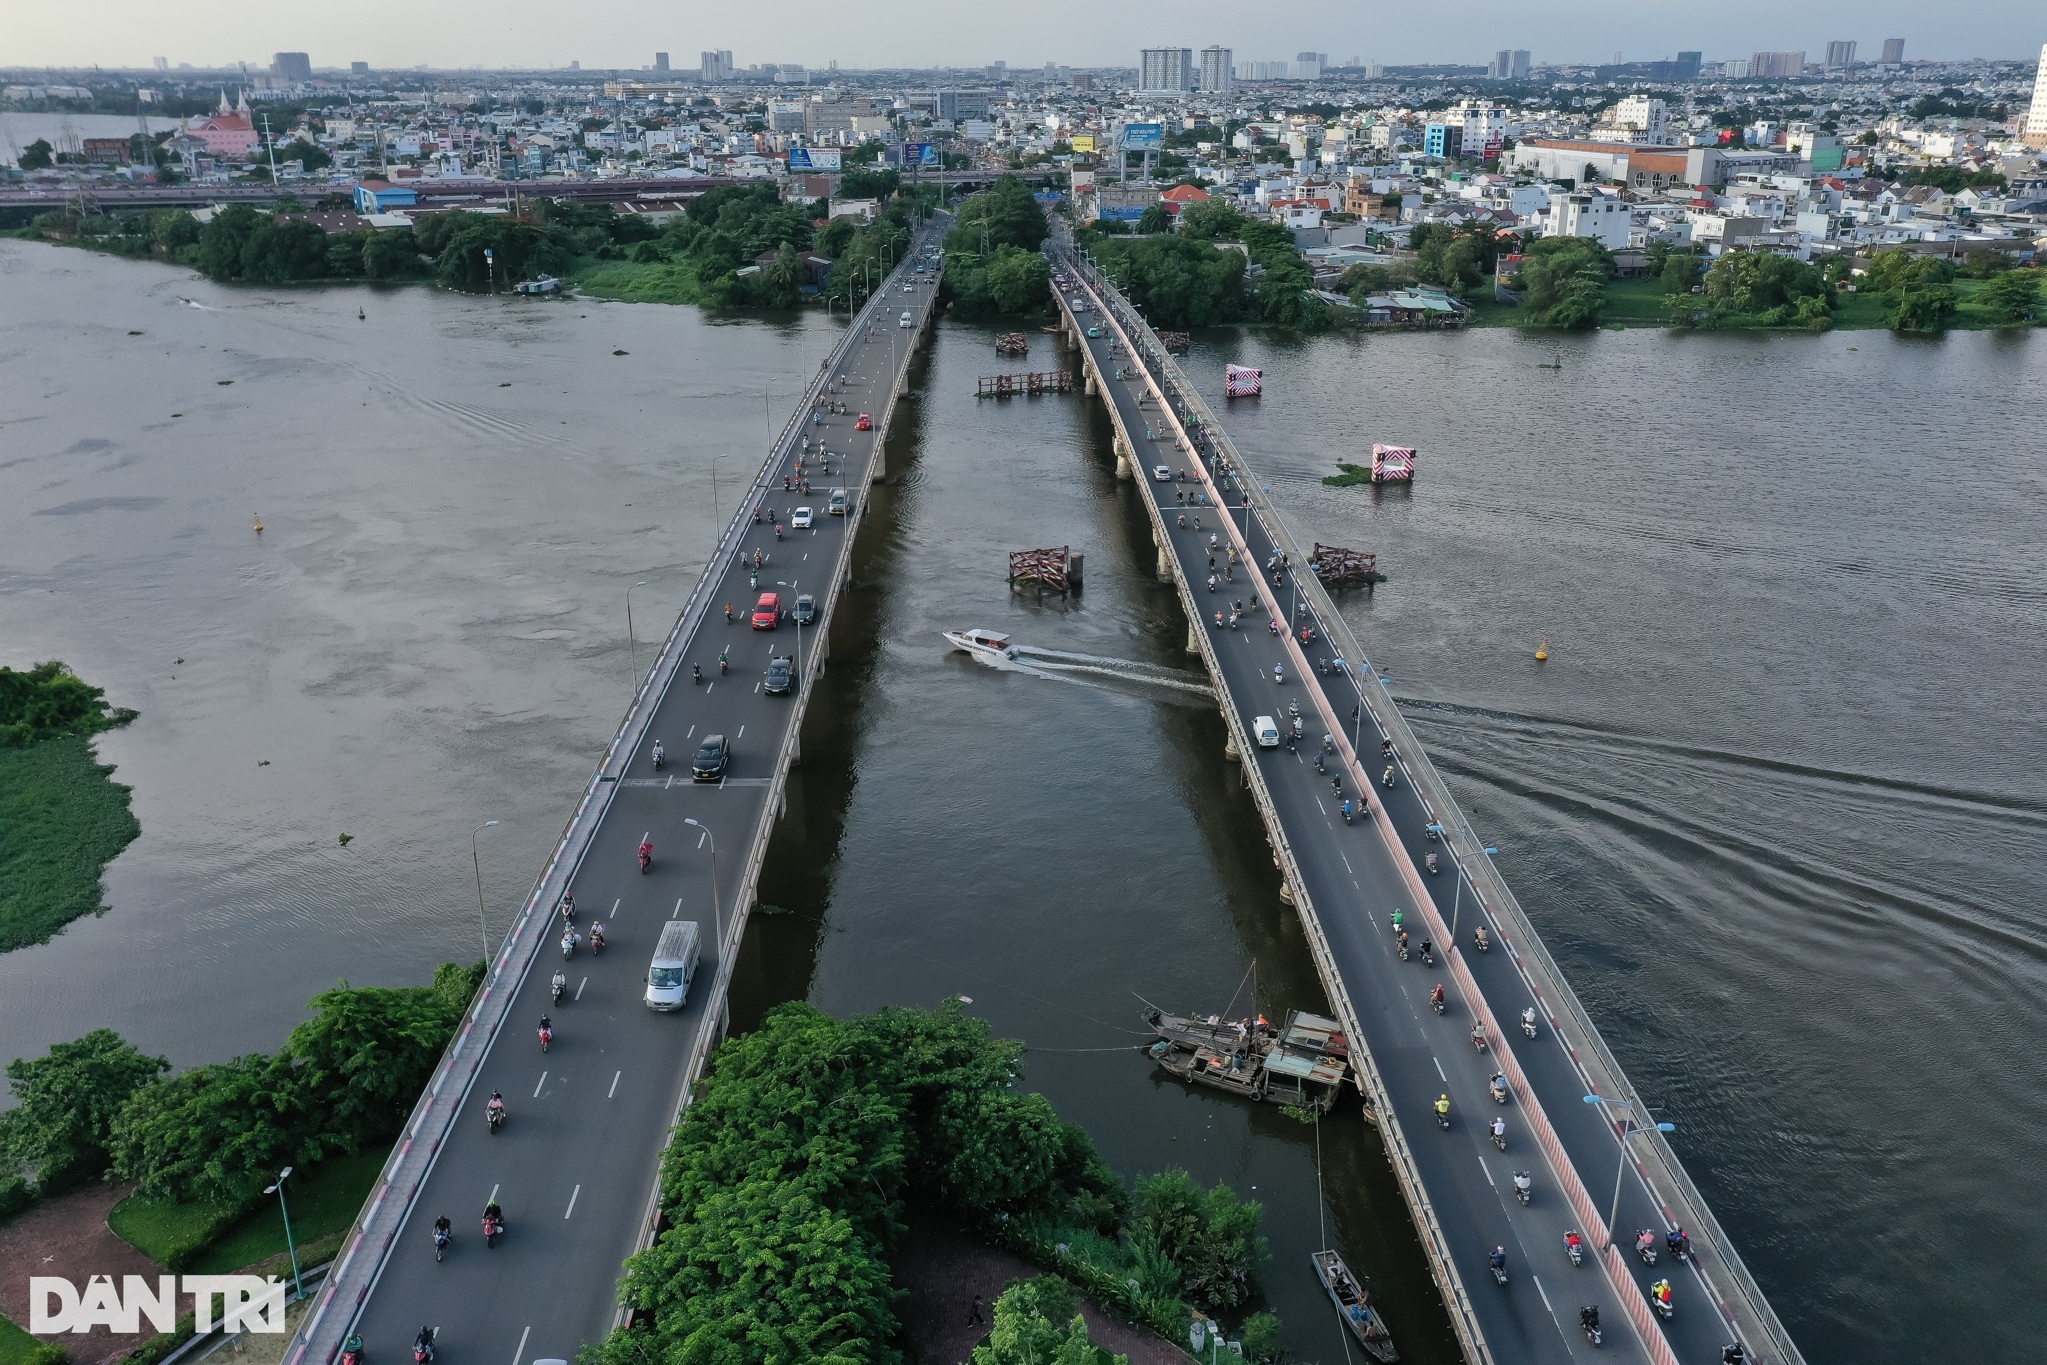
[
  {"x": 259, "y": 523},
  {"x": 1542, "y": 649}
]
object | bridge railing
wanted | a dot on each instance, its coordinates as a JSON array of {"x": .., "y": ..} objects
[
  {"x": 1740, "y": 1299},
  {"x": 371, "y": 1237}
]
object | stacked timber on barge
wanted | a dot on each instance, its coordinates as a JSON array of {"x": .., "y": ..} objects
[{"x": 1302, "y": 1064}]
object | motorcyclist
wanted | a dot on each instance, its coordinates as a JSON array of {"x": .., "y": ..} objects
[
  {"x": 660, "y": 754},
  {"x": 646, "y": 851},
  {"x": 1588, "y": 1318},
  {"x": 423, "y": 1344},
  {"x": 546, "y": 1026},
  {"x": 443, "y": 1228},
  {"x": 1498, "y": 1260},
  {"x": 1480, "y": 937},
  {"x": 1428, "y": 950},
  {"x": 492, "y": 1213},
  {"x": 596, "y": 935},
  {"x": 1499, "y": 1128},
  {"x": 696, "y": 673},
  {"x": 1397, "y": 913},
  {"x": 1436, "y": 995},
  {"x": 1386, "y": 778},
  {"x": 351, "y": 1347},
  {"x": 1443, "y": 1106},
  {"x": 1679, "y": 1242},
  {"x": 1528, "y": 1016},
  {"x": 569, "y": 897},
  {"x": 1660, "y": 1291},
  {"x": 1645, "y": 1240},
  {"x": 728, "y": 613},
  {"x": 1573, "y": 1242},
  {"x": 496, "y": 1110},
  {"x": 1401, "y": 939},
  {"x": 724, "y": 660},
  {"x": 1498, "y": 1083},
  {"x": 1279, "y": 673}
]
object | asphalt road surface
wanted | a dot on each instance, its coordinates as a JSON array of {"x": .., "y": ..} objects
[
  {"x": 576, "y": 1160},
  {"x": 1352, "y": 880}
]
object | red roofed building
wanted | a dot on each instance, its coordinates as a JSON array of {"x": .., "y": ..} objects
[
  {"x": 1180, "y": 196},
  {"x": 227, "y": 132}
]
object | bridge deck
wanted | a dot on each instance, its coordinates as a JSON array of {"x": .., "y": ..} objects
[
  {"x": 575, "y": 1165},
  {"x": 1347, "y": 880}
]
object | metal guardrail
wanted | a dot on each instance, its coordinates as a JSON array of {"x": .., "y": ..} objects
[
  {"x": 1739, "y": 1298},
  {"x": 376, "y": 1227}
]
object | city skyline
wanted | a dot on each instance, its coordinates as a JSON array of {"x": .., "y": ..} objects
[{"x": 625, "y": 35}]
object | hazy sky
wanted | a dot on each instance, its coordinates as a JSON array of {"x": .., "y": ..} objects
[{"x": 626, "y": 33}]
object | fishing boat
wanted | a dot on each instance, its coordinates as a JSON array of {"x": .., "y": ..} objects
[
  {"x": 1302, "y": 1063},
  {"x": 986, "y": 645},
  {"x": 546, "y": 284},
  {"x": 1354, "y": 1306}
]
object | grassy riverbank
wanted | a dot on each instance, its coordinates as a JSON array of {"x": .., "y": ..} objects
[
  {"x": 208, "y": 1239},
  {"x": 1640, "y": 303}
]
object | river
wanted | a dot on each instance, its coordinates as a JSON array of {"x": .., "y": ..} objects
[{"x": 1771, "y": 799}]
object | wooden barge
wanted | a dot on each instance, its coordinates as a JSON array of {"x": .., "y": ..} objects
[{"x": 1302, "y": 1063}]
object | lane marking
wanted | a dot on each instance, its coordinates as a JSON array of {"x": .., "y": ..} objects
[
  {"x": 756, "y": 689},
  {"x": 493, "y": 1195},
  {"x": 615, "y": 904},
  {"x": 1545, "y": 1300},
  {"x": 1346, "y": 864},
  {"x": 700, "y": 843},
  {"x": 1439, "y": 1067},
  {"x": 572, "y": 1201},
  {"x": 708, "y": 686},
  {"x": 678, "y": 901},
  {"x": 519, "y": 1354},
  {"x": 692, "y": 730},
  {"x": 741, "y": 735},
  {"x": 543, "y": 1081},
  {"x": 1488, "y": 1173},
  {"x": 614, "y": 1084},
  {"x": 579, "y": 987}
]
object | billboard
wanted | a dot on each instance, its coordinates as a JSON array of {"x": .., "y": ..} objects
[
  {"x": 814, "y": 158},
  {"x": 920, "y": 154},
  {"x": 1083, "y": 142},
  {"x": 1140, "y": 136}
]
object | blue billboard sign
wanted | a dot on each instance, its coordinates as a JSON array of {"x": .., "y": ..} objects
[
  {"x": 920, "y": 154},
  {"x": 1144, "y": 136}
]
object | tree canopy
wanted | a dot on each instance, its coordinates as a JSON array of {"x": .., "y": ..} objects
[
  {"x": 66, "y": 1103},
  {"x": 1005, "y": 214},
  {"x": 1564, "y": 279},
  {"x": 50, "y": 700}
]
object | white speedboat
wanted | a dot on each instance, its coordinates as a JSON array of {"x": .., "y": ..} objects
[{"x": 989, "y": 645}]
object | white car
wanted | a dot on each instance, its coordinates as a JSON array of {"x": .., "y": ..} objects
[
  {"x": 1162, "y": 473},
  {"x": 909, "y": 288},
  {"x": 1265, "y": 732},
  {"x": 799, "y": 520},
  {"x": 905, "y": 321}
]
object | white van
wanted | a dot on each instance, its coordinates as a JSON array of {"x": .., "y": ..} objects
[
  {"x": 1265, "y": 732},
  {"x": 906, "y": 321},
  {"x": 674, "y": 966},
  {"x": 836, "y": 503}
]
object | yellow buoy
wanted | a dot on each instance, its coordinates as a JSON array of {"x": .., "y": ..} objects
[
  {"x": 259, "y": 523},
  {"x": 1542, "y": 648}
]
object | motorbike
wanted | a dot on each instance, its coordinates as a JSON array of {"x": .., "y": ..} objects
[
  {"x": 596, "y": 941},
  {"x": 724, "y": 665},
  {"x": 1645, "y": 1246},
  {"x": 1524, "y": 1187},
  {"x": 1443, "y": 1120},
  {"x": 1528, "y": 1021},
  {"x": 1430, "y": 862},
  {"x": 493, "y": 1228},
  {"x": 1498, "y": 1263},
  {"x": 646, "y": 857},
  {"x": 1482, "y": 939},
  {"x": 1679, "y": 1245},
  {"x": 660, "y": 758},
  {"x": 1500, "y": 1139},
  {"x": 1346, "y": 812},
  {"x": 1588, "y": 1319},
  {"x": 441, "y": 1240},
  {"x": 1659, "y": 1299},
  {"x": 423, "y": 1351},
  {"x": 561, "y": 986},
  {"x": 546, "y": 1037},
  {"x": 1478, "y": 1037},
  {"x": 1499, "y": 1089},
  {"x": 1438, "y": 1004},
  {"x": 1319, "y": 767},
  {"x": 1428, "y": 956},
  {"x": 568, "y": 944},
  {"x": 1403, "y": 950},
  {"x": 351, "y": 1350},
  {"x": 494, "y": 1117},
  {"x": 1386, "y": 778},
  {"x": 1574, "y": 1247},
  {"x": 696, "y": 675},
  {"x": 778, "y": 530}
]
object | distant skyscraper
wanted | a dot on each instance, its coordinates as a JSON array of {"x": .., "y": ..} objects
[
  {"x": 1688, "y": 64},
  {"x": 661, "y": 62},
  {"x": 295, "y": 67},
  {"x": 1840, "y": 54},
  {"x": 715, "y": 66},
  {"x": 2036, "y": 118},
  {"x": 1218, "y": 70},
  {"x": 1308, "y": 65},
  {"x": 1894, "y": 50},
  {"x": 1166, "y": 69},
  {"x": 1776, "y": 65},
  {"x": 1501, "y": 64}
]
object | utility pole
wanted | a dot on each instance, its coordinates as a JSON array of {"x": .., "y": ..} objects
[{"x": 269, "y": 138}]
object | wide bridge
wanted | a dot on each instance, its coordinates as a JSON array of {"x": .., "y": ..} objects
[
  {"x": 1572, "y": 1115},
  {"x": 575, "y": 1165}
]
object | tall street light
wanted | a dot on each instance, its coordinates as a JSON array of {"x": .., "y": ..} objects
[
  {"x": 1628, "y": 1129},
  {"x": 476, "y": 862},
  {"x": 291, "y": 1246},
  {"x": 1457, "y": 904},
  {"x": 632, "y": 661},
  {"x": 791, "y": 586},
  {"x": 717, "y": 518},
  {"x": 717, "y": 914}
]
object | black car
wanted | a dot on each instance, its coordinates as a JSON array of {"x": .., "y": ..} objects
[
  {"x": 712, "y": 756},
  {"x": 780, "y": 670},
  {"x": 806, "y": 610}
]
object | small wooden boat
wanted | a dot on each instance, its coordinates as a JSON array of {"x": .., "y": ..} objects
[
  {"x": 1354, "y": 1306},
  {"x": 1302, "y": 1063}
]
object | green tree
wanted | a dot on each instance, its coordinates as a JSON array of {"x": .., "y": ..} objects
[
  {"x": 1019, "y": 281},
  {"x": 37, "y": 156},
  {"x": 1038, "y": 1322},
  {"x": 2013, "y": 296},
  {"x": 1897, "y": 268},
  {"x": 1678, "y": 272},
  {"x": 1155, "y": 219},
  {"x": 868, "y": 184},
  {"x": 1005, "y": 214},
  {"x": 1260, "y": 1336},
  {"x": 1983, "y": 263},
  {"x": 1212, "y": 220},
  {"x": 1211, "y": 1235},
  {"x": 222, "y": 239},
  {"x": 1922, "y": 308},
  {"x": 390, "y": 254},
  {"x": 1764, "y": 286},
  {"x": 1564, "y": 280},
  {"x": 517, "y": 250},
  {"x": 210, "y": 1133},
  {"x": 1177, "y": 282},
  {"x": 280, "y": 252},
  {"x": 363, "y": 1058},
  {"x": 65, "y": 1105},
  {"x": 309, "y": 155},
  {"x": 49, "y": 700}
]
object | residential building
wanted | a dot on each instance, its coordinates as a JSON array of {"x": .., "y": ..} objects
[
  {"x": 1443, "y": 140},
  {"x": 1308, "y": 66},
  {"x": 824, "y": 118},
  {"x": 786, "y": 116},
  {"x": 1839, "y": 55},
  {"x": 1688, "y": 64},
  {"x": 715, "y": 66},
  {"x": 1735, "y": 70},
  {"x": 1509, "y": 64},
  {"x": 1218, "y": 70},
  {"x": 1588, "y": 213},
  {"x": 358, "y": 68},
  {"x": 1638, "y": 119},
  {"x": 661, "y": 63},
  {"x": 295, "y": 67},
  {"x": 1483, "y": 125},
  {"x": 2036, "y": 118},
  {"x": 1166, "y": 70},
  {"x": 1776, "y": 65},
  {"x": 960, "y": 104},
  {"x": 1894, "y": 51}
]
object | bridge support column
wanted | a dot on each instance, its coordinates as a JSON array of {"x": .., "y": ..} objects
[
  {"x": 1087, "y": 381},
  {"x": 1230, "y": 750},
  {"x": 1286, "y": 893},
  {"x": 1193, "y": 640},
  {"x": 1123, "y": 468},
  {"x": 1165, "y": 565}
]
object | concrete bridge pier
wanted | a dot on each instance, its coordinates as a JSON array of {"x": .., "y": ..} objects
[
  {"x": 1087, "y": 381},
  {"x": 1193, "y": 639},
  {"x": 1123, "y": 467},
  {"x": 879, "y": 474},
  {"x": 1165, "y": 561}
]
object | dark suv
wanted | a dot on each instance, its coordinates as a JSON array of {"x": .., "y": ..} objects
[
  {"x": 780, "y": 669},
  {"x": 712, "y": 756},
  {"x": 805, "y": 613}
]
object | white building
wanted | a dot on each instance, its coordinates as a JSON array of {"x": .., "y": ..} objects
[
  {"x": 1167, "y": 70},
  {"x": 1588, "y": 213},
  {"x": 1485, "y": 125},
  {"x": 1218, "y": 71},
  {"x": 2036, "y": 118},
  {"x": 715, "y": 66},
  {"x": 1638, "y": 119}
]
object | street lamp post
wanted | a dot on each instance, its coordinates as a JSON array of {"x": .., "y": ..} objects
[
  {"x": 631, "y": 654},
  {"x": 476, "y": 862},
  {"x": 298, "y": 1280},
  {"x": 1457, "y": 902},
  {"x": 1629, "y": 1129},
  {"x": 717, "y": 912},
  {"x": 791, "y": 586},
  {"x": 717, "y": 518}
]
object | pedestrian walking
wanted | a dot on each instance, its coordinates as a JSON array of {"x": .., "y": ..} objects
[{"x": 974, "y": 1314}]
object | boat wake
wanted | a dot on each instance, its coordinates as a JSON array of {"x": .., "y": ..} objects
[{"x": 1119, "y": 670}]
